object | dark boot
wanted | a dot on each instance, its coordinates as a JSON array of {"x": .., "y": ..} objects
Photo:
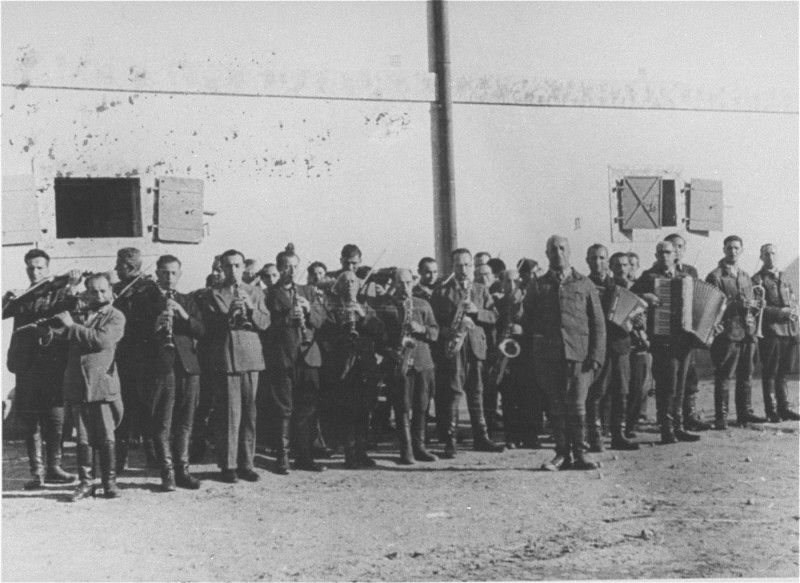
[
  {"x": 418, "y": 439},
  {"x": 163, "y": 460},
  {"x": 404, "y": 437},
  {"x": 594, "y": 425},
  {"x": 283, "y": 431},
  {"x": 721, "y": 399},
  {"x": 108, "y": 469},
  {"x": 480, "y": 434},
  {"x": 33, "y": 444},
  {"x": 85, "y": 456},
  {"x": 691, "y": 418},
  {"x": 768, "y": 389},
  {"x": 122, "y": 455},
  {"x": 618, "y": 411},
  {"x": 362, "y": 431},
  {"x": 745, "y": 414},
  {"x": 168, "y": 483},
  {"x": 180, "y": 454},
  {"x": 305, "y": 459},
  {"x": 450, "y": 419},
  {"x": 150, "y": 453},
  {"x": 349, "y": 446},
  {"x": 667, "y": 431},
  {"x": 55, "y": 474},
  {"x": 560, "y": 437},
  {"x": 576, "y": 428},
  {"x": 677, "y": 425},
  {"x": 784, "y": 412}
]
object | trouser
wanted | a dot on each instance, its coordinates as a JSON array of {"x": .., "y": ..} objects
[
  {"x": 136, "y": 379},
  {"x": 464, "y": 376},
  {"x": 670, "y": 366},
  {"x": 356, "y": 398},
  {"x": 733, "y": 360},
  {"x": 95, "y": 422},
  {"x": 778, "y": 358},
  {"x": 172, "y": 410},
  {"x": 613, "y": 380},
  {"x": 44, "y": 425},
  {"x": 410, "y": 396},
  {"x": 202, "y": 429},
  {"x": 692, "y": 383},
  {"x": 639, "y": 385},
  {"x": 491, "y": 393},
  {"x": 235, "y": 419},
  {"x": 294, "y": 397},
  {"x": 567, "y": 386},
  {"x": 524, "y": 402},
  {"x": 440, "y": 400}
]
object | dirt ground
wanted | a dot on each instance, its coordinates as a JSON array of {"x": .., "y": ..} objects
[{"x": 725, "y": 507}]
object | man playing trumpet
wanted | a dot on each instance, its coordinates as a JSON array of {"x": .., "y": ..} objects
[{"x": 177, "y": 385}]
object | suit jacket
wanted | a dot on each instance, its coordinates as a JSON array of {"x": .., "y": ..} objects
[
  {"x": 564, "y": 319},
  {"x": 140, "y": 306},
  {"x": 778, "y": 294},
  {"x": 91, "y": 373},
  {"x": 344, "y": 357},
  {"x": 229, "y": 350},
  {"x": 392, "y": 313},
  {"x": 283, "y": 341},
  {"x": 736, "y": 288},
  {"x": 445, "y": 302},
  {"x": 186, "y": 333}
]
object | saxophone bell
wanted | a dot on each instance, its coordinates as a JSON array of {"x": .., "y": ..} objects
[{"x": 509, "y": 348}]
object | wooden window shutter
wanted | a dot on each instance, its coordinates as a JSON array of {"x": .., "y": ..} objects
[
  {"x": 639, "y": 202},
  {"x": 179, "y": 210},
  {"x": 704, "y": 205},
  {"x": 20, "y": 211}
]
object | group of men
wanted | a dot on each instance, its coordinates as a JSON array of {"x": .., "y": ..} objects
[{"x": 140, "y": 358}]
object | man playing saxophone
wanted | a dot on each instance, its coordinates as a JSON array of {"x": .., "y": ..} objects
[
  {"x": 778, "y": 346},
  {"x": 462, "y": 308},
  {"x": 411, "y": 328},
  {"x": 176, "y": 391}
]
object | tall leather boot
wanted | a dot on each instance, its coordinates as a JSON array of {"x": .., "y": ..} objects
[
  {"x": 744, "y": 406},
  {"x": 55, "y": 473},
  {"x": 480, "y": 433},
  {"x": 619, "y": 405},
  {"x": 450, "y": 419},
  {"x": 768, "y": 389},
  {"x": 122, "y": 454},
  {"x": 561, "y": 460},
  {"x": 283, "y": 432},
  {"x": 721, "y": 400},
  {"x": 594, "y": 425},
  {"x": 667, "y": 431},
  {"x": 163, "y": 459},
  {"x": 180, "y": 455},
  {"x": 784, "y": 411},
  {"x": 677, "y": 424},
  {"x": 85, "y": 457},
  {"x": 33, "y": 445},
  {"x": 304, "y": 460},
  {"x": 691, "y": 418},
  {"x": 108, "y": 469},
  {"x": 576, "y": 429},
  {"x": 421, "y": 454},
  {"x": 362, "y": 432},
  {"x": 404, "y": 437},
  {"x": 150, "y": 452}
]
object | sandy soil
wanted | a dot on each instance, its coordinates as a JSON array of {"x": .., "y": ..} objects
[{"x": 725, "y": 507}]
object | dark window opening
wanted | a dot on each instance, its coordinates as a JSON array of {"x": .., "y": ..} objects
[
  {"x": 669, "y": 210},
  {"x": 97, "y": 207}
]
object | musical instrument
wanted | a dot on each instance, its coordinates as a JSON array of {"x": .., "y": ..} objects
[
  {"x": 755, "y": 315},
  {"x": 237, "y": 319},
  {"x": 458, "y": 326},
  {"x": 624, "y": 306},
  {"x": 350, "y": 321},
  {"x": 508, "y": 348},
  {"x": 688, "y": 305},
  {"x": 407, "y": 343},
  {"x": 128, "y": 287},
  {"x": 165, "y": 332},
  {"x": 306, "y": 334},
  {"x": 58, "y": 280},
  {"x": 75, "y": 305}
]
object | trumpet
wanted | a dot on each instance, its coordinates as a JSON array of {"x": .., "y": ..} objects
[
  {"x": 755, "y": 319},
  {"x": 237, "y": 319},
  {"x": 165, "y": 332},
  {"x": 458, "y": 326},
  {"x": 407, "y": 343}
]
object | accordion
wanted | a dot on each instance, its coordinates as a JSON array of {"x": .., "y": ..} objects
[
  {"x": 623, "y": 306},
  {"x": 687, "y": 305}
]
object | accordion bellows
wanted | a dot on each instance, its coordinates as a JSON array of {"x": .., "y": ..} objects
[
  {"x": 687, "y": 305},
  {"x": 624, "y": 305}
]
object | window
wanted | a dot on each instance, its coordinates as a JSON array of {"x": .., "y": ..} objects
[
  {"x": 97, "y": 207},
  {"x": 646, "y": 202}
]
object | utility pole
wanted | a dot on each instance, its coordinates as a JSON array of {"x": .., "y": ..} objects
[{"x": 444, "y": 184}]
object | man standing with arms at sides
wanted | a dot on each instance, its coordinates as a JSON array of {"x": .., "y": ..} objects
[
  {"x": 234, "y": 313},
  {"x": 615, "y": 374},
  {"x": 733, "y": 350},
  {"x": 670, "y": 352},
  {"x": 38, "y": 363},
  {"x": 177, "y": 385},
  {"x": 410, "y": 328},
  {"x": 778, "y": 347},
  {"x": 294, "y": 361},
  {"x": 564, "y": 320},
  {"x": 137, "y": 297},
  {"x": 691, "y": 418},
  {"x": 485, "y": 276},
  {"x": 641, "y": 365},
  {"x": 462, "y": 308},
  {"x": 428, "y": 271},
  {"x": 91, "y": 384}
]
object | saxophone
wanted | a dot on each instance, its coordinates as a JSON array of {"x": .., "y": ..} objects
[
  {"x": 407, "y": 343},
  {"x": 458, "y": 326}
]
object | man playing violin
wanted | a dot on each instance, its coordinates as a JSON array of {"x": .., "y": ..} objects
[
  {"x": 137, "y": 297},
  {"x": 39, "y": 363},
  {"x": 177, "y": 384}
]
